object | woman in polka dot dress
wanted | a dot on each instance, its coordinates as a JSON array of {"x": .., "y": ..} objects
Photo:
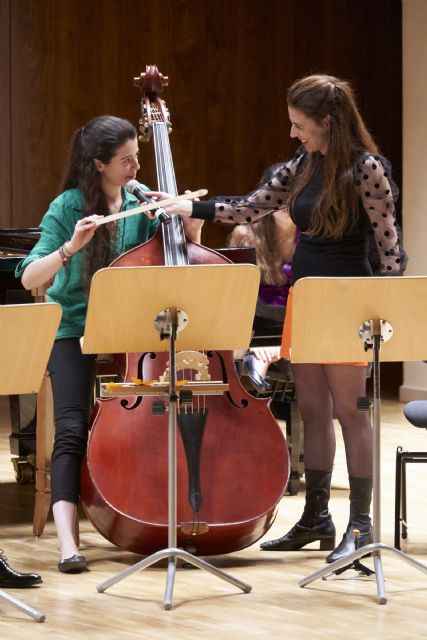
[{"x": 340, "y": 194}]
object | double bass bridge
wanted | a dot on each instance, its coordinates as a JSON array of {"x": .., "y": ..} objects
[{"x": 200, "y": 384}]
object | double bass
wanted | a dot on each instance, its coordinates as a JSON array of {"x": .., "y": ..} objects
[{"x": 232, "y": 457}]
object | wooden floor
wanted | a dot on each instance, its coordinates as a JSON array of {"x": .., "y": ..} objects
[{"x": 206, "y": 607}]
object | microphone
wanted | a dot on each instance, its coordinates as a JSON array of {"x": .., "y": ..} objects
[{"x": 136, "y": 189}]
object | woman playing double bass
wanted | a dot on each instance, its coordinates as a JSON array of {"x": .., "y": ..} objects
[{"x": 103, "y": 158}]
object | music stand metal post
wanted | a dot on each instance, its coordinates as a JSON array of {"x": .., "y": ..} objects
[
  {"x": 21, "y": 374},
  {"x": 372, "y": 311},
  {"x": 161, "y": 304}
]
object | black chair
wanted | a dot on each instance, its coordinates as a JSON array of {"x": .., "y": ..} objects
[{"x": 416, "y": 413}]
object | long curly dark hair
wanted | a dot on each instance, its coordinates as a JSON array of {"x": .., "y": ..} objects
[
  {"x": 318, "y": 96},
  {"x": 99, "y": 139}
]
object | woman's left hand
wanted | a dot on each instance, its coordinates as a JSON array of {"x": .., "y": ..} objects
[
  {"x": 266, "y": 354},
  {"x": 193, "y": 226}
]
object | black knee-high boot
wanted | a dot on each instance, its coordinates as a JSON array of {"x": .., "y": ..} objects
[
  {"x": 316, "y": 521},
  {"x": 360, "y": 503}
]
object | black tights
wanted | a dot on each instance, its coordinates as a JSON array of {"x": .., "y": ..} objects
[
  {"x": 324, "y": 389},
  {"x": 72, "y": 375}
]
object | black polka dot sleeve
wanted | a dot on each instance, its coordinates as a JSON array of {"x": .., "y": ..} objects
[
  {"x": 377, "y": 200},
  {"x": 266, "y": 199}
]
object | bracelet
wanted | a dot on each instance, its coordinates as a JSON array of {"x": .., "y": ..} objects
[
  {"x": 64, "y": 255},
  {"x": 67, "y": 254}
]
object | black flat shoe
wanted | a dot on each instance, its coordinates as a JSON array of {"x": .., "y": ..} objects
[
  {"x": 11, "y": 579},
  {"x": 75, "y": 564}
]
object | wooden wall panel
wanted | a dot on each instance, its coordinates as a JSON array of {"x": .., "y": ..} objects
[
  {"x": 229, "y": 64},
  {"x": 5, "y": 186}
]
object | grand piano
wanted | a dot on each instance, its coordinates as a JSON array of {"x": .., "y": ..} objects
[{"x": 14, "y": 245}]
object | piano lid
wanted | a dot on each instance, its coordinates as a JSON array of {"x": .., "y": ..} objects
[{"x": 18, "y": 241}]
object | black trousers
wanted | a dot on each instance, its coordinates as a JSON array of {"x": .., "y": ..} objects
[{"x": 72, "y": 376}]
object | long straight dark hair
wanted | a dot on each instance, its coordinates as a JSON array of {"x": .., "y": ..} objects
[
  {"x": 337, "y": 207},
  {"x": 99, "y": 139}
]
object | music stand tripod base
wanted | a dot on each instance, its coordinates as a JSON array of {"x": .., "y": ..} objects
[
  {"x": 38, "y": 616},
  {"x": 332, "y": 305},
  {"x": 374, "y": 548},
  {"x": 172, "y": 554}
]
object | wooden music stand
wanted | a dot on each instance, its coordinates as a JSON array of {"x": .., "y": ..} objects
[
  {"x": 136, "y": 309},
  {"x": 27, "y": 332},
  {"x": 351, "y": 320}
]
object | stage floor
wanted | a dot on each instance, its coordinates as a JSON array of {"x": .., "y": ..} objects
[{"x": 206, "y": 607}]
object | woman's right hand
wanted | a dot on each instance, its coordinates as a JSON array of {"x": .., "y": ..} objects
[
  {"x": 43, "y": 270},
  {"x": 83, "y": 234},
  {"x": 183, "y": 208}
]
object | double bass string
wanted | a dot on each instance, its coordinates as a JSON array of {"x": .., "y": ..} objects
[
  {"x": 167, "y": 182},
  {"x": 174, "y": 242},
  {"x": 165, "y": 174}
]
